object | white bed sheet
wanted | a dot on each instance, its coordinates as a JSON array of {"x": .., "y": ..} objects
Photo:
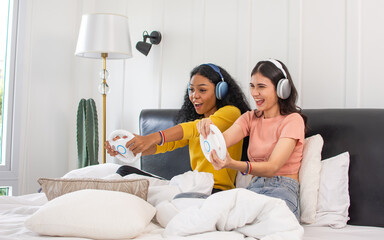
[
  {"x": 15, "y": 210},
  {"x": 350, "y": 232}
]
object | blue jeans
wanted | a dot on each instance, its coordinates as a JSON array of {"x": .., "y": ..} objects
[{"x": 281, "y": 187}]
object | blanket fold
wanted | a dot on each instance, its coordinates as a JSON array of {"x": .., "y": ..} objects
[{"x": 240, "y": 210}]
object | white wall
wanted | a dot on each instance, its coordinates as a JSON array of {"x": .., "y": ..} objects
[
  {"x": 332, "y": 48},
  {"x": 49, "y": 90}
]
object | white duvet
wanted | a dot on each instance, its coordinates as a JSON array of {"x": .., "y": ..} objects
[
  {"x": 239, "y": 210},
  {"x": 233, "y": 214}
]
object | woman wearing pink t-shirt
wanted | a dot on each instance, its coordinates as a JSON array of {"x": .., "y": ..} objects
[{"x": 276, "y": 133}]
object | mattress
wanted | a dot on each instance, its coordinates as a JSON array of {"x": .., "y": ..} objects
[
  {"x": 350, "y": 232},
  {"x": 15, "y": 210}
]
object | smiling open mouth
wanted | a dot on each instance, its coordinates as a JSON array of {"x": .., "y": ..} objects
[
  {"x": 198, "y": 105},
  {"x": 259, "y": 102}
]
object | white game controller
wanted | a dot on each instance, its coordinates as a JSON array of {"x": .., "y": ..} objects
[
  {"x": 118, "y": 145},
  {"x": 215, "y": 141}
]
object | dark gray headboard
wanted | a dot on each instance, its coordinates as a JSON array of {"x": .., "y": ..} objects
[
  {"x": 359, "y": 131},
  {"x": 168, "y": 164}
]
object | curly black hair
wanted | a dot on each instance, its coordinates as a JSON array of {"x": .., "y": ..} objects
[
  {"x": 269, "y": 70},
  {"x": 235, "y": 95}
]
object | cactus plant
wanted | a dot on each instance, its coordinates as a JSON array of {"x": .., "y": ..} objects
[
  {"x": 82, "y": 156},
  {"x": 87, "y": 133}
]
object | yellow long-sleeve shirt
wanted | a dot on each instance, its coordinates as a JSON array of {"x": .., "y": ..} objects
[{"x": 223, "y": 119}]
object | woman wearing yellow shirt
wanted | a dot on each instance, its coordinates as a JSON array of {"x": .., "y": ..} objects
[{"x": 212, "y": 93}]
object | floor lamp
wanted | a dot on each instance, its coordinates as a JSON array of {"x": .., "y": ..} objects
[{"x": 104, "y": 36}]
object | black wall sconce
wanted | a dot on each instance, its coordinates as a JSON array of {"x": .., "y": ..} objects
[{"x": 143, "y": 46}]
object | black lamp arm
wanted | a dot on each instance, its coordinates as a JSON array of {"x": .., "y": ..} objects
[{"x": 154, "y": 38}]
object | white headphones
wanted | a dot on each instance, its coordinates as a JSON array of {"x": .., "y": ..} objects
[{"x": 283, "y": 88}]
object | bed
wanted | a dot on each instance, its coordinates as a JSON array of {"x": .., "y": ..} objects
[{"x": 346, "y": 139}]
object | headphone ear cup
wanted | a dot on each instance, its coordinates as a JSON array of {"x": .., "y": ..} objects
[
  {"x": 221, "y": 90},
  {"x": 283, "y": 88}
]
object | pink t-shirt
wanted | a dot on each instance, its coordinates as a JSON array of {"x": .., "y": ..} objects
[{"x": 264, "y": 134}]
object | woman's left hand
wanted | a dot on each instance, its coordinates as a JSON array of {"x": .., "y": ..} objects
[{"x": 218, "y": 163}]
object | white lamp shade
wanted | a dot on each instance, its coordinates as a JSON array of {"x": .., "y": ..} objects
[{"x": 104, "y": 33}]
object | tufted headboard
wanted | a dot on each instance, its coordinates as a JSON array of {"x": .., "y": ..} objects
[{"x": 359, "y": 131}]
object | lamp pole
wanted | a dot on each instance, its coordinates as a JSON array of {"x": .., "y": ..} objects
[{"x": 104, "y": 93}]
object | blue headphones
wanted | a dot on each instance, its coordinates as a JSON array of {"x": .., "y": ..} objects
[{"x": 221, "y": 89}]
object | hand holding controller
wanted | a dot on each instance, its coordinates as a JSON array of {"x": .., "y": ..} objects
[
  {"x": 215, "y": 140},
  {"x": 119, "y": 145}
]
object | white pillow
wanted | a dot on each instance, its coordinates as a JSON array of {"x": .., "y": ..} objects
[
  {"x": 91, "y": 213},
  {"x": 93, "y": 171},
  {"x": 242, "y": 181},
  {"x": 309, "y": 178},
  {"x": 333, "y": 203}
]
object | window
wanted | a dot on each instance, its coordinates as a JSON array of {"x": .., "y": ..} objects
[
  {"x": 5, "y": 191},
  {"x": 8, "y": 27},
  {"x": 4, "y": 15}
]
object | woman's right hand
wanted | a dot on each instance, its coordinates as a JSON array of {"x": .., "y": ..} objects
[
  {"x": 139, "y": 144},
  {"x": 203, "y": 127}
]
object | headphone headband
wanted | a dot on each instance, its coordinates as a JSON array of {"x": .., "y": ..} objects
[
  {"x": 221, "y": 88},
  {"x": 216, "y": 69},
  {"x": 278, "y": 65}
]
